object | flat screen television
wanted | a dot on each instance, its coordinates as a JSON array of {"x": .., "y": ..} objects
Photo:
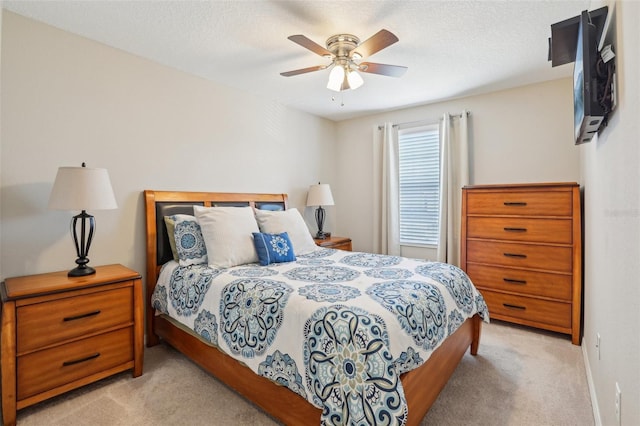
[{"x": 587, "y": 111}]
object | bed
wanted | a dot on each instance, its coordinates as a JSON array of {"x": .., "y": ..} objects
[{"x": 396, "y": 386}]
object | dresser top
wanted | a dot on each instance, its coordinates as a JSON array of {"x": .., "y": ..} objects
[{"x": 522, "y": 185}]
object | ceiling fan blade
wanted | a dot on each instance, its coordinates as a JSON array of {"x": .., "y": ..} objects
[
  {"x": 303, "y": 70},
  {"x": 375, "y": 43},
  {"x": 310, "y": 44},
  {"x": 382, "y": 69}
]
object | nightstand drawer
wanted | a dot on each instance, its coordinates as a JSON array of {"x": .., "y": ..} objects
[
  {"x": 346, "y": 246},
  {"x": 47, "y": 369},
  {"x": 47, "y": 323},
  {"x": 555, "y": 286},
  {"x": 557, "y": 231},
  {"x": 520, "y": 255},
  {"x": 338, "y": 243},
  {"x": 521, "y": 203}
]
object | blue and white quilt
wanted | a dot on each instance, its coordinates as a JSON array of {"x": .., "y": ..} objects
[{"x": 336, "y": 327}]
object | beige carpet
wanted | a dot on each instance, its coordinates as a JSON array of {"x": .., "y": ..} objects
[{"x": 520, "y": 377}]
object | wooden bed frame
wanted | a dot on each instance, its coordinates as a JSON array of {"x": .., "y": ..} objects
[{"x": 421, "y": 386}]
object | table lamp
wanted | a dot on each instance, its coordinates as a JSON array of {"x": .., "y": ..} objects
[
  {"x": 82, "y": 188},
  {"x": 320, "y": 195}
]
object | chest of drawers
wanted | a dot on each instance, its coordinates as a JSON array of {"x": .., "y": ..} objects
[
  {"x": 521, "y": 245},
  {"x": 60, "y": 333}
]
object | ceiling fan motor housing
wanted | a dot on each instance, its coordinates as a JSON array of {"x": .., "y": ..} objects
[{"x": 341, "y": 45}]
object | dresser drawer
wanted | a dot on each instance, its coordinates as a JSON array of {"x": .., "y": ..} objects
[
  {"x": 522, "y": 203},
  {"x": 518, "y": 255},
  {"x": 555, "y": 286},
  {"x": 520, "y": 229},
  {"x": 500, "y": 305},
  {"x": 46, "y": 323},
  {"x": 47, "y": 369}
]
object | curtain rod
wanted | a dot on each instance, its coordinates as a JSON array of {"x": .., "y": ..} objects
[{"x": 420, "y": 122}]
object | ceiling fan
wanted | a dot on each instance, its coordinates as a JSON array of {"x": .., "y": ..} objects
[{"x": 345, "y": 52}]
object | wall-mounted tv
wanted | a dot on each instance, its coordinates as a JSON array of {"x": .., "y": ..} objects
[{"x": 588, "y": 113}]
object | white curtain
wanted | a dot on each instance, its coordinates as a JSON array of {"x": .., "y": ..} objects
[
  {"x": 386, "y": 232},
  {"x": 454, "y": 174}
]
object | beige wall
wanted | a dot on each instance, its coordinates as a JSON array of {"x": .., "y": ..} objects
[
  {"x": 611, "y": 175},
  {"x": 67, "y": 99},
  {"x": 518, "y": 135}
]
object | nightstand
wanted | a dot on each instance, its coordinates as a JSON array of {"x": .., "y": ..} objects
[
  {"x": 60, "y": 333},
  {"x": 340, "y": 243}
]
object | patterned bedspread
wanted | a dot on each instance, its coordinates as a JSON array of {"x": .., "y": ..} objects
[{"x": 336, "y": 327}]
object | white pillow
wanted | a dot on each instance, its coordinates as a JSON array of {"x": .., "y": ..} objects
[
  {"x": 291, "y": 222},
  {"x": 228, "y": 234}
]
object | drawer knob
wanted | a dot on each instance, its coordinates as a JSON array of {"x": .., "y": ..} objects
[
  {"x": 516, "y": 307},
  {"x": 76, "y": 317},
  {"x": 78, "y": 361},
  {"x": 512, "y": 281},
  {"x": 520, "y": 256},
  {"x": 515, "y": 229},
  {"x": 515, "y": 203}
]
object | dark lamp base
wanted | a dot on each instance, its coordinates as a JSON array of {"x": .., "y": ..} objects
[
  {"x": 82, "y": 240},
  {"x": 323, "y": 235},
  {"x": 81, "y": 271}
]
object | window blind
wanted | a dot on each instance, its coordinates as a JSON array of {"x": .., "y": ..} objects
[{"x": 419, "y": 181}]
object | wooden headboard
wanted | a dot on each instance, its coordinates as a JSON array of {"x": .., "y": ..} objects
[{"x": 166, "y": 203}]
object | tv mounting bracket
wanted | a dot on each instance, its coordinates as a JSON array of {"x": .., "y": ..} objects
[{"x": 564, "y": 36}]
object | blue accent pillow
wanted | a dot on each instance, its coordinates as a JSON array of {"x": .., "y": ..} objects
[{"x": 273, "y": 248}]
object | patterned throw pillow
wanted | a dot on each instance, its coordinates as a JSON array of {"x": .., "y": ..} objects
[
  {"x": 189, "y": 241},
  {"x": 273, "y": 248}
]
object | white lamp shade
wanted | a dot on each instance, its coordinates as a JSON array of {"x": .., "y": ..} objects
[
  {"x": 320, "y": 195},
  {"x": 336, "y": 77},
  {"x": 82, "y": 188},
  {"x": 355, "y": 80}
]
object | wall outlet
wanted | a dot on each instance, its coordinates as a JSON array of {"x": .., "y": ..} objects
[
  {"x": 618, "y": 403},
  {"x": 598, "y": 346}
]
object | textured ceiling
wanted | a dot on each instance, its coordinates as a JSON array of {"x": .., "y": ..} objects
[{"x": 452, "y": 48}]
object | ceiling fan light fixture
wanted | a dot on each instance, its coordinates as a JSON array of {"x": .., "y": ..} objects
[
  {"x": 355, "y": 80},
  {"x": 336, "y": 77},
  {"x": 345, "y": 52}
]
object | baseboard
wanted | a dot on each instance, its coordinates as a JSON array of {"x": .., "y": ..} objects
[{"x": 592, "y": 389}]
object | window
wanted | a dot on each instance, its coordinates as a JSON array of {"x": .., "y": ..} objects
[{"x": 419, "y": 169}]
